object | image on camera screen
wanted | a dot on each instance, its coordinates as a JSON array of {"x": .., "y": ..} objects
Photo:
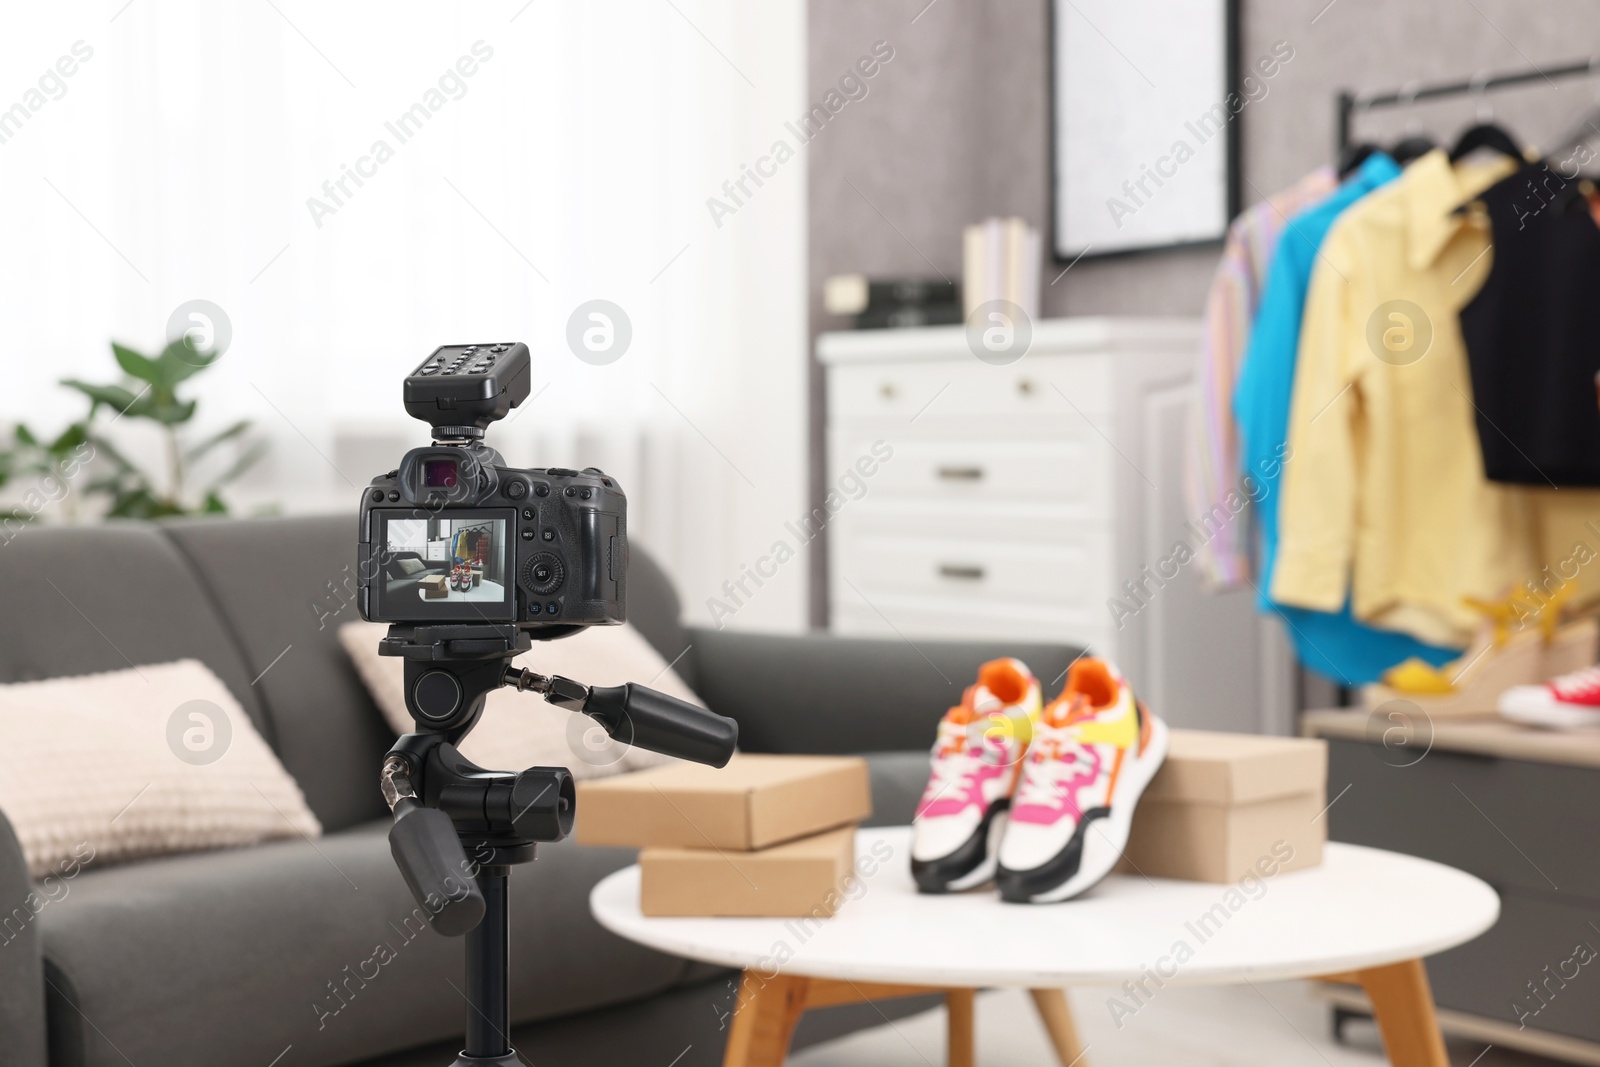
[{"x": 442, "y": 561}]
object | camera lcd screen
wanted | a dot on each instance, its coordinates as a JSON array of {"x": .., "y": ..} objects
[{"x": 450, "y": 567}]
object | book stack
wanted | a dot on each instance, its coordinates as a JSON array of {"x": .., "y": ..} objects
[
  {"x": 893, "y": 303},
  {"x": 764, "y": 836},
  {"x": 1000, "y": 261}
]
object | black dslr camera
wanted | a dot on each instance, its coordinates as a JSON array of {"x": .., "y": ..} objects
[
  {"x": 453, "y": 534},
  {"x": 469, "y": 560}
]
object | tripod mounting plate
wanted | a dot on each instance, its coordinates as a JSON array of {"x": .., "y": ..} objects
[{"x": 455, "y": 641}]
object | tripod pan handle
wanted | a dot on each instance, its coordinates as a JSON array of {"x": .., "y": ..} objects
[
  {"x": 434, "y": 865},
  {"x": 639, "y": 716}
]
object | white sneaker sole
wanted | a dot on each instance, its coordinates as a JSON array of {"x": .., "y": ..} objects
[{"x": 1114, "y": 828}]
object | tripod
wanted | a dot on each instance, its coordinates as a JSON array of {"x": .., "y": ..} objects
[{"x": 460, "y": 828}]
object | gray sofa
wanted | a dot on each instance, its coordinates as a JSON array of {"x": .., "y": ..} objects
[{"x": 233, "y": 957}]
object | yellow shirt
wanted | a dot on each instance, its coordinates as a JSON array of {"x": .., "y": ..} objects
[{"x": 1384, "y": 495}]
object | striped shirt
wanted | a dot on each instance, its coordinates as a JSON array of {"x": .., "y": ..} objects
[{"x": 1216, "y": 499}]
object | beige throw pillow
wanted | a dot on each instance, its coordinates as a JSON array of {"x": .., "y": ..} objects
[
  {"x": 520, "y": 730},
  {"x": 117, "y": 766}
]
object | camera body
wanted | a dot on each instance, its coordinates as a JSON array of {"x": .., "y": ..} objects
[{"x": 454, "y": 535}]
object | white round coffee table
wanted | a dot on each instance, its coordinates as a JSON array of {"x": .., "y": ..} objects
[{"x": 1364, "y": 916}]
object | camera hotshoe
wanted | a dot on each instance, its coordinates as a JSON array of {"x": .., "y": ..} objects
[{"x": 470, "y": 561}]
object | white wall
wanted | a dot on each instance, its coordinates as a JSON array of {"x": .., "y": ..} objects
[{"x": 574, "y": 165}]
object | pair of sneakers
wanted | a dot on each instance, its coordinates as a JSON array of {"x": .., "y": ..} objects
[{"x": 1038, "y": 799}]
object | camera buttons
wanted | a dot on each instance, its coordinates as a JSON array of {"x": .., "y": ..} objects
[
  {"x": 377, "y": 496},
  {"x": 527, "y": 535},
  {"x": 586, "y": 493},
  {"x": 534, "y": 609},
  {"x": 549, "y": 535},
  {"x": 394, "y": 496},
  {"x": 541, "y": 490},
  {"x": 516, "y": 489},
  {"x": 552, "y": 608},
  {"x": 527, "y": 513},
  {"x": 571, "y": 491}
]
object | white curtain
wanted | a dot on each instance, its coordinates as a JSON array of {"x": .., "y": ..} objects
[{"x": 514, "y": 161}]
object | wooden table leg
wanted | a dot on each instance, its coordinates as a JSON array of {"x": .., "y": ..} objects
[
  {"x": 1057, "y": 1017},
  {"x": 958, "y": 1008},
  {"x": 1402, "y": 1003},
  {"x": 764, "y": 1019}
]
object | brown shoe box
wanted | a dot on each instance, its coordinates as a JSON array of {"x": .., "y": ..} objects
[
  {"x": 808, "y": 877},
  {"x": 756, "y": 801},
  {"x": 1226, "y": 805}
]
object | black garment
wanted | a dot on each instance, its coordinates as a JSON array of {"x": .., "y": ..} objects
[{"x": 1533, "y": 334}]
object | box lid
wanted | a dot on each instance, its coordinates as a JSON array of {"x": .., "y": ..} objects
[
  {"x": 1220, "y": 768},
  {"x": 757, "y": 800}
]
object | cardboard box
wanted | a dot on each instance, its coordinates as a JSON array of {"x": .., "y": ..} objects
[
  {"x": 1224, "y": 805},
  {"x": 800, "y": 878},
  {"x": 756, "y": 801}
]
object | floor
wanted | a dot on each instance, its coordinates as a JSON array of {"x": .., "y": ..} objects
[{"x": 1198, "y": 1026}]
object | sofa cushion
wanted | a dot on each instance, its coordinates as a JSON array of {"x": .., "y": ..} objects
[
  {"x": 140, "y": 762},
  {"x": 103, "y": 598},
  {"x": 284, "y": 586},
  {"x": 231, "y": 957}
]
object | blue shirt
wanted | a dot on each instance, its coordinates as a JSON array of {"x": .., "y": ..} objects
[{"x": 1335, "y": 645}]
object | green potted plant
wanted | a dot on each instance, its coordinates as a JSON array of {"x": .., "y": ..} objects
[{"x": 149, "y": 390}]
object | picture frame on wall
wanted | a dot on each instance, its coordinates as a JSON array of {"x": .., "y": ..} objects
[{"x": 1145, "y": 106}]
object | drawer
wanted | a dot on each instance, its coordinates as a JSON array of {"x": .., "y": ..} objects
[
  {"x": 1069, "y": 469},
  {"x": 967, "y": 570},
  {"x": 1534, "y": 941},
  {"x": 1031, "y": 522},
  {"x": 918, "y": 618},
  {"x": 1045, "y": 385},
  {"x": 1511, "y": 822}
]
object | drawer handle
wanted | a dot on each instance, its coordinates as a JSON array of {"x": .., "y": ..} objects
[
  {"x": 966, "y": 572},
  {"x": 961, "y": 474}
]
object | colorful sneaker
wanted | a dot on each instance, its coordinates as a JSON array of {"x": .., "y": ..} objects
[
  {"x": 1093, "y": 753},
  {"x": 976, "y": 761},
  {"x": 1570, "y": 700}
]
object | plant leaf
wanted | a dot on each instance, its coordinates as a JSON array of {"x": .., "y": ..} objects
[
  {"x": 178, "y": 361},
  {"x": 25, "y": 436},
  {"x": 137, "y": 366},
  {"x": 170, "y": 414},
  {"x": 214, "y": 505},
  {"x": 70, "y": 438},
  {"x": 116, "y": 397},
  {"x": 194, "y": 452}
]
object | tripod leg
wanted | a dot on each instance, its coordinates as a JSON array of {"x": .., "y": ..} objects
[{"x": 488, "y": 960}]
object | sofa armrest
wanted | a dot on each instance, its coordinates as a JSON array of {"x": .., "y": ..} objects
[
  {"x": 816, "y": 693},
  {"x": 22, "y": 1013}
]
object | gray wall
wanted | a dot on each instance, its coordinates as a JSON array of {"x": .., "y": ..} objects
[{"x": 955, "y": 128}]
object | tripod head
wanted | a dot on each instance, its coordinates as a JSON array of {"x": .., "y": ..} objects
[{"x": 444, "y": 804}]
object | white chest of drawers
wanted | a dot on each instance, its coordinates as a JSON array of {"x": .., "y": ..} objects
[{"x": 1020, "y": 500}]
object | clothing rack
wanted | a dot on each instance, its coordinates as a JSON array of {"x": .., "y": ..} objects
[{"x": 1349, "y": 103}]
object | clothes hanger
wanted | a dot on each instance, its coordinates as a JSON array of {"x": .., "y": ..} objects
[
  {"x": 1415, "y": 143},
  {"x": 1411, "y": 148},
  {"x": 1353, "y": 156},
  {"x": 1485, "y": 133}
]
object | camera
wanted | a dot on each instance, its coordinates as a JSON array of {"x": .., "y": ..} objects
[{"x": 454, "y": 535}]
